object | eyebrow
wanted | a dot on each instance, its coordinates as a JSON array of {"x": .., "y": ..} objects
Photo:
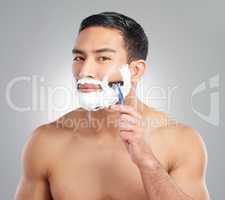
[{"x": 79, "y": 51}]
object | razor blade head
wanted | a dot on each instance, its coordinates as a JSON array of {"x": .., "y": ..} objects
[
  {"x": 116, "y": 87},
  {"x": 111, "y": 84}
]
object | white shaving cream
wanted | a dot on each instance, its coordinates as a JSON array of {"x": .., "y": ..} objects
[{"x": 105, "y": 97}]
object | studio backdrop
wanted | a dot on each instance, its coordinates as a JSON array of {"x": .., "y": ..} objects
[{"x": 185, "y": 74}]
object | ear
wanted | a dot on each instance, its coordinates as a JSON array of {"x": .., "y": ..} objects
[{"x": 137, "y": 69}]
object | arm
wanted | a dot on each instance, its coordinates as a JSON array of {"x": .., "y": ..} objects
[
  {"x": 186, "y": 180},
  {"x": 33, "y": 182},
  {"x": 187, "y": 158}
]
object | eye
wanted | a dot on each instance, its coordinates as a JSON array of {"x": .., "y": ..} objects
[
  {"x": 103, "y": 58},
  {"x": 78, "y": 58}
]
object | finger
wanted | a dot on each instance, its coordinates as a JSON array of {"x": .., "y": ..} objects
[
  {"x": 126, "y": 126},
  {"x": 129, "y": 119},
  {"x": 126, "y": 109},
  {"x": 126, "y": 136}
]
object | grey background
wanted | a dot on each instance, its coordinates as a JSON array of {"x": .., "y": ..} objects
[{"x": 187, "y": 46}]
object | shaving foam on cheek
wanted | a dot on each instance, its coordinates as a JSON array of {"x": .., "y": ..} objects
[
  {"x": 107, "y": 96},
  {"x": 93, "y": 101},
  {"x": 126, "y": 75}
]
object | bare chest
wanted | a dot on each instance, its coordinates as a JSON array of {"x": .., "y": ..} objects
[
  {"x": 97, "y": 173},
  {"x": 111, "y": 176}
]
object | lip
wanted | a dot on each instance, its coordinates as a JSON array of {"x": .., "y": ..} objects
[{"x": 88, "y": 87}]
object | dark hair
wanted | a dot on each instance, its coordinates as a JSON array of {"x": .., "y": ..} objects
[{"x": 135, "y": 39}]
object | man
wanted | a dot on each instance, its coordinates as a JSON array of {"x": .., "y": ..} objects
[{"x": 116, "y": 149}]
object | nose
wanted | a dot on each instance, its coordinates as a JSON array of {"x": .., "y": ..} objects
[{"x": 88, "y": 69}]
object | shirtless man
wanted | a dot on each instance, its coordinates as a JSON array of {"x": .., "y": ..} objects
[{"x": 120, "y": 158}]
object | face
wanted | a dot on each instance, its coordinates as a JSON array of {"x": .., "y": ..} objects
[{"x": 98, "y": 52}]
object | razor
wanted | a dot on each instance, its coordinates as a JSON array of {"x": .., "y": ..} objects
[{"x": 116, "y": 86}]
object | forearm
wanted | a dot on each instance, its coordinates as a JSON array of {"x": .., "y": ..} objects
[{"x": 157, "y": 182}]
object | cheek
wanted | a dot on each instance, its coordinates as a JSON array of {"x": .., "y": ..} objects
[
  {"x": 116, "y": 77},
  {"x": 76, "y": 70},
  {"x": 113, "y": 73}
]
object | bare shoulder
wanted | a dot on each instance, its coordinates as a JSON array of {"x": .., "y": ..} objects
[
  {"x": 36, "y": 154},
  {"x": 43, "y": 146},
  {"x": 52, "y": 134},
  {"x": 183, "y": 142},
  {"x": 183, "y": 138},
  {"x": 188, "y": 147},
  {"x": 163, "y": 125}
]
